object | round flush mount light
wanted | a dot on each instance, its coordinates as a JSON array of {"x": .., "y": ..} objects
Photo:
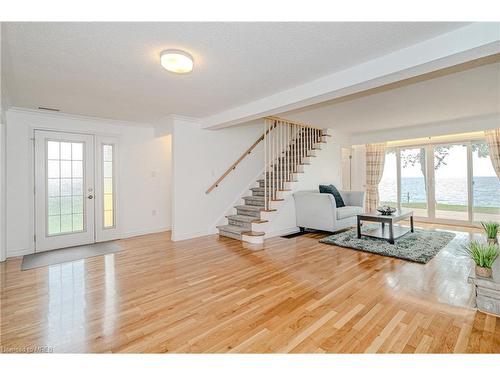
[{"x": 176, "y": 61}]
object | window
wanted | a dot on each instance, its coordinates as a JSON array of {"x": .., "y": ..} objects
[
  {"x": 108, "y": 186},
  {"x": 444, "y": 182},
  {"x": 451, "y": 189}
]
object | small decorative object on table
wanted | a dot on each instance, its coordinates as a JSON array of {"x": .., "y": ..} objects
[
  {"x": 491, "y": 230},
  {"x": 483, "y": 254},
  {"x": 386, "y": 210}
]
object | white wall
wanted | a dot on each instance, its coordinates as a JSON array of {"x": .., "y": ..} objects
[
  {"x": 199, "y": 158},
  {"x": 3, "y": 105},
  {"x": 145, "y": 173}
]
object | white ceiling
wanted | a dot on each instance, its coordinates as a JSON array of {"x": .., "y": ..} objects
[
  {"x": 112, "y": 70},
  {"x": 471, "y": 93}
]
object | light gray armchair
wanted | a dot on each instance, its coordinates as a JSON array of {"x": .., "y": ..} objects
[{"x": 315, "y": 210}]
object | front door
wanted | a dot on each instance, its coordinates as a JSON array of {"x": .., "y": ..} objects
[{"x": 64, "y": 190}]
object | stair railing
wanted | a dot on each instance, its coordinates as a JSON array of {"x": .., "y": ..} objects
[
  {"x": 286, "y": 144},
  {"x": 235, "y": 164}
]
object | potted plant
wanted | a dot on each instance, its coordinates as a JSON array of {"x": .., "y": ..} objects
[
  {"x": 491, "y": 230},
  {"x": 483, "y": 254}
]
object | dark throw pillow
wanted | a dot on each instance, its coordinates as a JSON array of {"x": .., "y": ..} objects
[{"x": 330, "y": 189}]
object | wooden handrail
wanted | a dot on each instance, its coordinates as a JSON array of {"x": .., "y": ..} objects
[
  {"x": 292, "y": 122},
  {"x": 233, "y": 166},
  {"x": 250, "y": 149}
]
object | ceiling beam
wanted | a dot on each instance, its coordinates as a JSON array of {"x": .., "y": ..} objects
[{"x": 460, "y": 46}]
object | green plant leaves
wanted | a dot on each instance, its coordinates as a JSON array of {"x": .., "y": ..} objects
[{"x": 483, "y": 254}]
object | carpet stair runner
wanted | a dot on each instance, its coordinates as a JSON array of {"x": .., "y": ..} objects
[{"x": 249, "y": 222}]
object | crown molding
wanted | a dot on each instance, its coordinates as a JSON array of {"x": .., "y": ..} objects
[{"x": 65, "y": 115}]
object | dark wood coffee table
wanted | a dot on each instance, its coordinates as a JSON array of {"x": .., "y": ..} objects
[{"x": 391, "y": 233}]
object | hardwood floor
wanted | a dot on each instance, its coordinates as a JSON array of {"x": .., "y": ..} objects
[{"x": 213, "y": 295}]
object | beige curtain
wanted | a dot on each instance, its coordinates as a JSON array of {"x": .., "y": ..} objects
[
  {"x": 493, "y": 140},
  {"x": 375, "y": 158}
]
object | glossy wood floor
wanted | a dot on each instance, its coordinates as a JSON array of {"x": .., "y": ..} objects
[{"x": 213, "y": 295}]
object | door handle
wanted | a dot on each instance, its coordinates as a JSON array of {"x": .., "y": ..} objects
[{"x": 90, "y": 196}]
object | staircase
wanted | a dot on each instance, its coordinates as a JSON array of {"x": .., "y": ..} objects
[{"x": 288, "y": 146}]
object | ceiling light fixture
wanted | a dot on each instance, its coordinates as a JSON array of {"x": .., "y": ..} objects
[{"x": 176, "y": 61}]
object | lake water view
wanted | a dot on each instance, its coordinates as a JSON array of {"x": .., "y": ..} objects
[{"x": 453, "y": 191}]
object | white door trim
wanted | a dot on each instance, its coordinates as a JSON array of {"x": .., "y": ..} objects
[
  {"x": 99, "y": 138},
  {"x": 43, "y": 240}
]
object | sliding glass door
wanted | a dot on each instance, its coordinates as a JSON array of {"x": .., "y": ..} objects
[
  {"x": 414, "y": 180},
  {"x": 452, "y": 182},
  {"x": 485, "y": 185},
  {"x": 451, "y": 187}
]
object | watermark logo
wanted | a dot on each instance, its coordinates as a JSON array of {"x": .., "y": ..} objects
[{"x": 26, "y": 349}]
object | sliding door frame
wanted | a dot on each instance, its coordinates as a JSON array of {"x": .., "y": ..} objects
[{"x": 430, "y": 178}]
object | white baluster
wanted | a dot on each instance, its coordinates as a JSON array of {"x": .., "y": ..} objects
[
  {"x": 265, "y": 163},
  {"x": 271, "y": 176},
  {"x": 281, "y": 155},
  {"x": 287, "y": 153}
]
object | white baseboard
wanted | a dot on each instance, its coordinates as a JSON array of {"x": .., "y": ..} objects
[
  {"x": 142, "y": 232},
  {"x": 188, "y": 236},
  {"x": 19, "y": 253},
  {"x": 282, "y": 232}
]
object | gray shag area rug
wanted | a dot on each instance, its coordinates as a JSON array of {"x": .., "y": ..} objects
[
  {"x": 69, "y": 254},
  {"x": 420, "y": 246}
]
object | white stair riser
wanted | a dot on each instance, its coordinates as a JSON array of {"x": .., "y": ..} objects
[{"x": 253, "y": 239}]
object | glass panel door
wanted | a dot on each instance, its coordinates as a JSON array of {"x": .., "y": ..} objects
[
  {"x": 485, "y": 185},
  {"x": 414, "y": 180},
  {"x": 64, "y": 183},
  {"x": 65, "y": 187},
  {"x": 451, "y": 182}
]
